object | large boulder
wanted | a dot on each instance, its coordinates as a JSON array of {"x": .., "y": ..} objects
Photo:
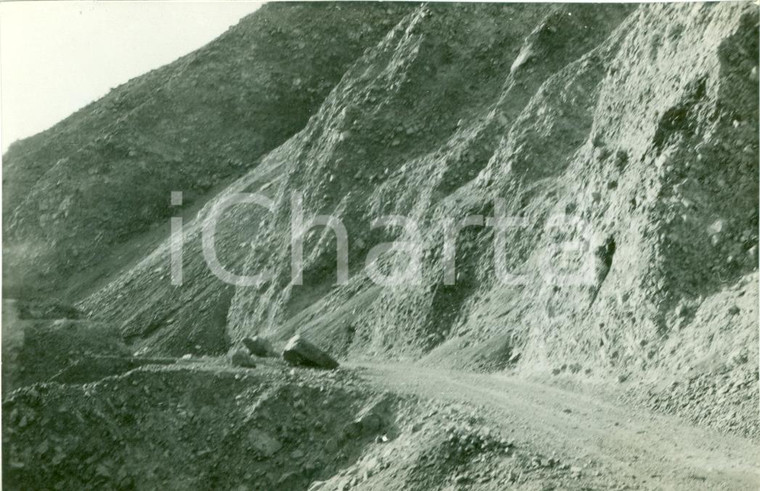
[
  {"x": 258, "y": 346},
  {"x": 299, "y": 352}
]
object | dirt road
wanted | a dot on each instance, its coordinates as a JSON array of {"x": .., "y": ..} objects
[{"x": 637, "y": 449}]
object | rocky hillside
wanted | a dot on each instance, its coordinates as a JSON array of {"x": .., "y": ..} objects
[
  {"x": 631, "y": 132},
  {"x": 76, "y": 195}
]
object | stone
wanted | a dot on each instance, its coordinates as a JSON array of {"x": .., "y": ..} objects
[
  {"x": 239, "y": 357},
  {"x": 681, "y": 310},
  {"x": 258, "y": 346},
  {"x": 299, "y": 352},
  {"x": 717, "y": 227},
  {"x": 752, "y": 252}
]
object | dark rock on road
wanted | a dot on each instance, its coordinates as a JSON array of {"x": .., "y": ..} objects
[
  {"x": 299, "y": 352},
  {"x": 258, "y": 346}
]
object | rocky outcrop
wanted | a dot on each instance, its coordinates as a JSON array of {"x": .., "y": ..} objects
[
  {"x": 239, "y": 357},
  {"x": 626, "y": 131},
  {"x": 299, "y": 352},
  {"x": 258, "y": 346}
]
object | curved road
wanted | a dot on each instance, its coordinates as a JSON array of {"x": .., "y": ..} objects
[{"x": 626, "y": 446}]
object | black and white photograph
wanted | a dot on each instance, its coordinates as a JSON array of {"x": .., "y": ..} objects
[{"x": 371, "y": 245}]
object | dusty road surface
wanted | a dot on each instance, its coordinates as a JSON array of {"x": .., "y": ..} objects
[{"x": 637, "y": 449}]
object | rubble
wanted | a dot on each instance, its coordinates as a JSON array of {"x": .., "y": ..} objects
[{"x": 239, "y": 357}]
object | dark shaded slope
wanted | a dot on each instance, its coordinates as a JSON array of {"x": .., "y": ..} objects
[{"x": 104, "y": 174}]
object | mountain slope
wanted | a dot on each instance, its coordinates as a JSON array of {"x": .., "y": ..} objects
[
  {"x": 368, "y": 121},
  {"x": 74, "y": 193},
  {"x": 629, "y": 132},
  {"x": 632, "y": 132}
]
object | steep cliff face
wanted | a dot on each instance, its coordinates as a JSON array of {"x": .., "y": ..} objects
[
  {"x": 637, "y": 142},
  {"x": 630, "y": 133}
]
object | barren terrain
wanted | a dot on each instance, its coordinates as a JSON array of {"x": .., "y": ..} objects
[{"x": 623, "y": 141}]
